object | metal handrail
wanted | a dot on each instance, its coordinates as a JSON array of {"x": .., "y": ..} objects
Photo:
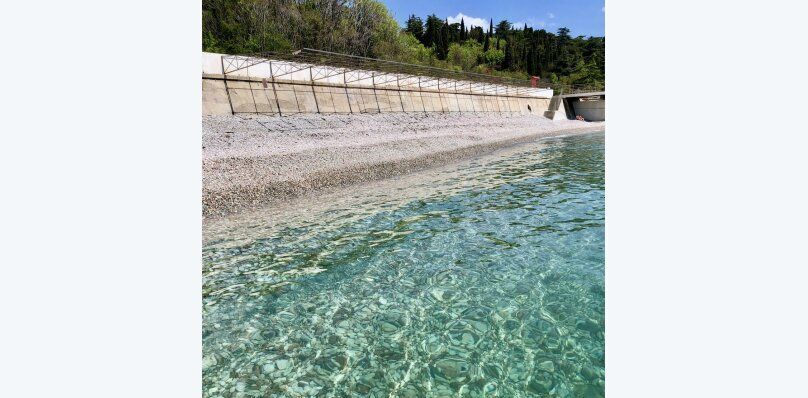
[{"x": 347, "y": 61}]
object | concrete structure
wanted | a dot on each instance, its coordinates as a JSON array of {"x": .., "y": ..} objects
[
  {"x": 591, "y": 106},
  {"x": 282, "y": 87},
  {"x": 556, "y": 109}
]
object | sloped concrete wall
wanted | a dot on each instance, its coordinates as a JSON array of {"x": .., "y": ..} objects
[
  {"x": 362, "y": 100},
  {"x": 287, "y": 98},
  {"x": 561, "y": 113},
  {"x": 452, "y": 103},
  {"x": 408, "y": 102},
  {"x": 340, "y": 99},
  {"x": 478, "y": 103},
  {"x": 214, "y": 98},
  {"x": 303, "y": 88},
  {"x": 325, "y": 100},
  {"x": 417, "y": 101},
  {"x": 383, "y": 100},
  {"x": 264, "y": 98},
  {"x": 254, "y": 96},
  {"x": 241, "y": 97}
]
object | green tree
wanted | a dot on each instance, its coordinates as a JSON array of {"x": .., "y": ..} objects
[
  {"x": 465, "y": 55},
  {"x": 503, "y": 27},
  {"x": 493, "y": 57},
  {"x": 507, "y": 60},
  {"x": 432, "y": 30},
  {"x": 415, "y": 26},
  {"x": 476, "y": 33},
  {"x": 487, "y": 44},
  {"x": 462, "y": 30},
  {"x": 365, "y": 27},
  {"x": 442, "y": 42}
]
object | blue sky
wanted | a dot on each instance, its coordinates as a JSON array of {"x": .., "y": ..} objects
[{"x": 582, "y": 17}]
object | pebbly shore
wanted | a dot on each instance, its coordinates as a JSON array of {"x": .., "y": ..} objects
[{"x": 251, "y": 161}]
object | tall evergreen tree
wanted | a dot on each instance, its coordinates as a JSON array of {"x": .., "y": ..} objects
[
  {"x": 365, "y": 28},
  {"x": 462, "y": 30},
  {"x": 507, "y": 62},
  {"x": 476, "y": 33},
  {"x": 563, "y": 35},
  {"x": 442, "y": 45},
  {"x": 432, "y": 30},
  {"x": 503, "y": 27},
  {"x": 415, "y": 26},
  {"x": 487, "y": 44},
  {"x": 454, "y": 32}
]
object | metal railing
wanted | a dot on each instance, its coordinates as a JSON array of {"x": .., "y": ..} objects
[{"x": 356, "y": 67}]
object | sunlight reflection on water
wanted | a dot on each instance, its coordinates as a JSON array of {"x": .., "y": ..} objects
[{"x": 482, "y": 278}]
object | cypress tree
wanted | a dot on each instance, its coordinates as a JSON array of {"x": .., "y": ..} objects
[
  {"x": 507, "y": 62},
  {"x": 416, "y": 27},
  {"x": 439, "y": 44},
  {"x": 444, "y": 33},
  {"x": 462, "y": 30},
  {"x": 487, "y": 44},
  {"x": 432, "y": 30},
  {"x": 476, "y": 33}
]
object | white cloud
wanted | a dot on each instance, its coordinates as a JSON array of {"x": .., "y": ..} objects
[
  {"x": 469, "y": 21},
  {"x": 550, "y": 15}
]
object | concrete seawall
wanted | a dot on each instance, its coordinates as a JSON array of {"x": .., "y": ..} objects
[{"x": 286, "y": 88}]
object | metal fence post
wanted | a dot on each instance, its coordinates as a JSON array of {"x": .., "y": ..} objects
[
  {"x": 373, "y": 82},
  {"x": 226, "y": 89},
  {"x": 311, "y": 80}
]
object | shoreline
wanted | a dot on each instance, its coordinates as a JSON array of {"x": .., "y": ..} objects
[{"x": 251, "y": 162}]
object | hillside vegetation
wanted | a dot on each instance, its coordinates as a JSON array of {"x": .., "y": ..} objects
[{"x": 366, "y": 28}]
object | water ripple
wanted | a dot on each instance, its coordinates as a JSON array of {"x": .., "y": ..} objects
[{"x": 480, "y": 279}]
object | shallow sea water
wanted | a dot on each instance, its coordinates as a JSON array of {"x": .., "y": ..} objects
[{"x": 479, "y": 279}]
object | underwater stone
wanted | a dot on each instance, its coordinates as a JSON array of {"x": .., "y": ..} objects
[
  {"x": 588, "y": 391},
  {"x": 452, "y": 368},
  {"x": 547, "y": 366},
  {"x": 208, "y": 361},
  {"x": 590, "y": 372},
  {"x": 540, "y": 383},
  {"x": 490, "y": 387},
  {"x": 467, "y": 339},
  {"x": 588, "y": 325},
  {"x": 282, "y": 364},
  {"x": 422, "y": 321},
  {"x": 492, "y": 371},
  {"x": 388, "y": 327}
]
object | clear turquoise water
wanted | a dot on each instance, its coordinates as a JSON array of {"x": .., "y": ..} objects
[{"x": 480, "y": 279}]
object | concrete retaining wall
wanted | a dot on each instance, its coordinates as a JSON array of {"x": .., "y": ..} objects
[
  {"x": 593, "y": 111},
  {"x": 282, "y": 88}
]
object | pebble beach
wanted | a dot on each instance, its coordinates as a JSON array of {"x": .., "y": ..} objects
[{"x": 250, "y": 161}]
